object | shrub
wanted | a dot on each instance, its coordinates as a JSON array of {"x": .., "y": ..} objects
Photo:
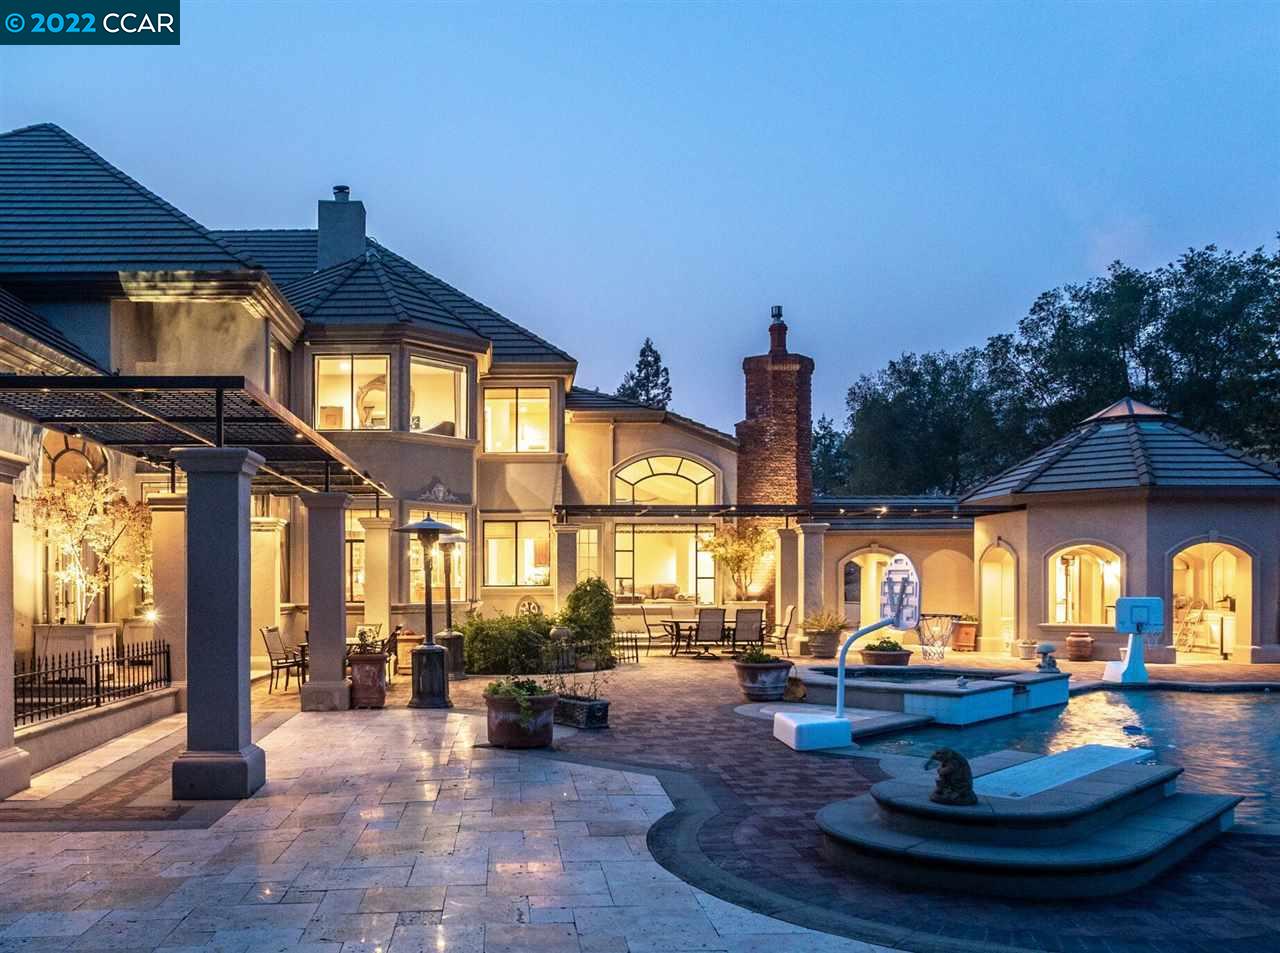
[
  {"x": 756, "y": 656},
  {"x": 885, "y": 644},
  {"x": 506, "y": 645},
  {"x": 588, "y": 612},
  {"x": 824, "y": 622}
]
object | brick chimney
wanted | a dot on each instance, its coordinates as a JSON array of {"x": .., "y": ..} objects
[
  {"x": 341, "y": 229},
  {"x": 774, "y": 441}
]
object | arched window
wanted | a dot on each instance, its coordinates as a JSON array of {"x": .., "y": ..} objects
[
  {"x": 67, "y": 457},
  {"x": 1084, "y": 584},
  {"x": 669, "y": 480}
]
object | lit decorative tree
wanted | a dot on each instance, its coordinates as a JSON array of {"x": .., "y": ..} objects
[
  {"x": 738, "y": 550},
  {"x": 95, "y": 530}
]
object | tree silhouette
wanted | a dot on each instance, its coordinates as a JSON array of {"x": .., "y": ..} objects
[{"x": 648, "y": 382}]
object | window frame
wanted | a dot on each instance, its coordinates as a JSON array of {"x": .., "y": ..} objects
[
  {"x": 462, "y": 426},
  {"x": 1056, "y": 595},
  {"x": 417, "y": 511},
  {"x": 699, "y": 530},
  {"x": 516, "y": 389},
  {"x": 351, "y": 357},
  {"x": 713, "y": 477},
  {"x": 516, "y": 562}
]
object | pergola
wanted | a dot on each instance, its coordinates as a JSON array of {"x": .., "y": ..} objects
[{"x": 231, "y": 439}]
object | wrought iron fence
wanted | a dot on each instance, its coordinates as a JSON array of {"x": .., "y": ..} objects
[{"x": 55, "y": 685}]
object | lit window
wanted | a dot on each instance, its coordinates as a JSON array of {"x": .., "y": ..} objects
[
  {"x": 517, "y": 553},
  {"x": 437, "y": 398},
  {"x": 1085, "y": 584},
  {"x": 354, "y": 561},
  {"x": 663, "y": 563},
  {"x": 351, "y": 392},
  {"x": 588, "y": 553},
  {"x": 674, "y": 481},
  {"x": 517, "y": 420},
  {"x": 457, "y": 566}
]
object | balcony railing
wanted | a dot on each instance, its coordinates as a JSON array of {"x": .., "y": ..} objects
[{"x": 55, "y": 685}]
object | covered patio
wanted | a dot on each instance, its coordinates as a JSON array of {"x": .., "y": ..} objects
[{"x": 229, "y": 439}]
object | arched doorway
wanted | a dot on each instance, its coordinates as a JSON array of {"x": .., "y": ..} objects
[
  {"x": 1212, "y": 591},
  {"x": 860, "y": 577},
  {"x": 998, "y": 599}
]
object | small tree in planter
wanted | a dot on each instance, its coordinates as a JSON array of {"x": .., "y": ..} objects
[
  {"x": 520, "y": 713},
  {"x": 368, "y": 673},
  {"x": 738, "y": 550},
  {"x": 824, "y": 630},
  {"x": 762, "y": 677},
  {"x": 95, "y": 531}
]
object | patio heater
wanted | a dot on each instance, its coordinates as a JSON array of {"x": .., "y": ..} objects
[
  {"x": 430, "y": 661},
  {"x": 449, "y": 638}
]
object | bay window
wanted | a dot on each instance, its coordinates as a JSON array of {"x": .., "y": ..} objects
[
  {"x": 351, "y": 392},
  {"x": 437, "y": 398},
  {"x": 517, "y": 420},
  {"x": 517, "y": 553}
]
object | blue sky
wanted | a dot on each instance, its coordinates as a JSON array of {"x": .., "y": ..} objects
[{"x": 898, "y": 176}]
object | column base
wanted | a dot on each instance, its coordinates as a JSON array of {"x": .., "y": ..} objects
[
  {"x": 219, "y": 775},
  {"x": 15, "y": 771},
  {"x": 182, "y": 694},
  {"x": 326, "y": 696}
]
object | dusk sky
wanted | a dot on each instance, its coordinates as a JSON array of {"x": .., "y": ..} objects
[{"x": 898, "y": 176}]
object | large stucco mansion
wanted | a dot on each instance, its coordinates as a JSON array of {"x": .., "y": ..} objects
[{"x": 419, "y": 400}]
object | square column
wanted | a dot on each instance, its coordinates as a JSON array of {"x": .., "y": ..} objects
[
  {"x": 327, "y": 687},
  {"x": 264, "y": 597},
  {"x": 221, "y": 760},
  {"x": 377, "y": 571},
  {"x": 786, "y": 576},
  {"x": 169, "y": 582},
  {"x": 812, "y": 550},
  {"x": 566, "y": 561},
  {"x": 15, "y": 764}
]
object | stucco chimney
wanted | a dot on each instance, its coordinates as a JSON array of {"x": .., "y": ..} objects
[
  {"x": 774, "y": 441},
  {"x": 341, "y": 229}
]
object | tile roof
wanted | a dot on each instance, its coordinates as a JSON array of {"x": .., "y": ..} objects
[
  {"x": 65, "y": 209},
  {"x": 1129, "y": 445},
  {"x": 290, "y": 255},
  {"x": 582, "y": 398},
  {"x": 16, "y": 314}
]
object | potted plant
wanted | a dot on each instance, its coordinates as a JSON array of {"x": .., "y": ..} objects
[
  {"x": 964, "y": 633},
  {"x": 585, "y": 626},
  {"x": 761, "y": 676},
  {"x": 823, "y": 630},
  {"x": 520, "y": 713},
  {"x": 578, "y": 701},
  {"x": 885, "y": 651},
  {"x": 97, "y": 535},
  {"x": 1079, "y": 646},
  {"x": 1026, "y": 649},
  {"x": 368, "y": 672}
]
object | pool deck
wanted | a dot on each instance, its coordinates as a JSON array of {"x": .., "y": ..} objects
[{"x": 738, "y": 866}]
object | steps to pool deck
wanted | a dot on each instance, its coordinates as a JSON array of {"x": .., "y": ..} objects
[{"x": 1102, "y": 832}]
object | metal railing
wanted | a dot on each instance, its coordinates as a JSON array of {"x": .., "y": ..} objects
[{"x": 55, "y": 685}]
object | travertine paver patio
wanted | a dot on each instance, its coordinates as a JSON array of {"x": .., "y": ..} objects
[{"x": 385, "y": 831}]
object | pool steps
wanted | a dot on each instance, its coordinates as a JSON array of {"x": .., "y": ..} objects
[{"x": 1109, "y": 831}]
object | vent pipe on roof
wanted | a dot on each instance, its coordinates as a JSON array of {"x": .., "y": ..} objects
[{"x": 340, "y": 236}]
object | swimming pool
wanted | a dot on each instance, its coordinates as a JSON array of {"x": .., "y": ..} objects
[{"x": 1225, "y": 743}]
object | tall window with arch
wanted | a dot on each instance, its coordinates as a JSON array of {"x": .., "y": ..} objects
[
  {"x": 1084, "y": 583},
  {"x": 666, "y": 479}
]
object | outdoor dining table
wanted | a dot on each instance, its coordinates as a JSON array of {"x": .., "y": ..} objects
[{"x": 686, "y": 630}]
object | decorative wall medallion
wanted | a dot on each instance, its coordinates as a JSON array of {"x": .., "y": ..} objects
[{"x": 437, "y": 492}]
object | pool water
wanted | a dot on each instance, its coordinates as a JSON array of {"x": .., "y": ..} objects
[{"x": 1225, "y": 743}]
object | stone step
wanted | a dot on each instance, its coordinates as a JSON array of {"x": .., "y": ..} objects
[
  {"x": 1061, "y": 814},
  {"x": 1118, "y": 858}
]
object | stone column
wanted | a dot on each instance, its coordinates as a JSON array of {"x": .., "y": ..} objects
[
  {"x": 264, "y": 600},
  {"x": 169, "y": 582},
  {"x": 786, "y": 569},
  {"x": 327, "y": 687},
  {"x": 221, "y": 760},
  {"x": 812, "y": 538},
  {"x": 377, "y": 571},
  {"x": 15, "y": 764},
  {"x": 566, "y": 561}
]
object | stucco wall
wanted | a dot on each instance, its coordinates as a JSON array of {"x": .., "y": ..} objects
[{"x": 188, "y": 337}]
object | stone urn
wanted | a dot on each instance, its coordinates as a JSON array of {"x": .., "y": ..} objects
[
  {"x": 368, "y": 679},
  {"x": 521, "y": 722},
  {"x": 1026, "y": 650},
  {"x": 763, "y": 681},
  {"x": 823, "y": 643},
  {"x": 881, "y": 657},
  {"x": 1079, "y": 647}
]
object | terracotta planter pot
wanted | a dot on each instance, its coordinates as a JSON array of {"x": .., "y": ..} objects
[
  {"x": 590, "y": 713},
  {"x": 763, "y": 681},
  {"x": 1079, "y": 647},
  {"x": 823, "y": 644},
  {"x": 873, "y": 657},
  {"x": 510, "y": 727},
  {"x": 964, "y": 637},
  {"x": 368, "y": 679}
]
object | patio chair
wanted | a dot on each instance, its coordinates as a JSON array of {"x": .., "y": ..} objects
[
  {"x": 655, "y": 629},
  {"x": 779, "y": 636},
  {"x": 282, "y": 660},
  {"x": 748, "y": 627},
  {"x": 708, "y": 632}
]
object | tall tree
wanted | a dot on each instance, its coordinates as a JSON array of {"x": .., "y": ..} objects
[
  {"x": 648, "y": 382},
  {"x": 830, "y": 469}
]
